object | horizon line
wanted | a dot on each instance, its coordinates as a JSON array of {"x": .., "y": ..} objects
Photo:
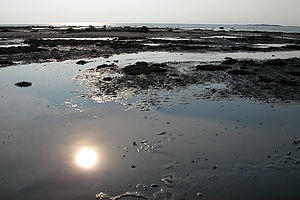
[{"x": 180, "y": 23}]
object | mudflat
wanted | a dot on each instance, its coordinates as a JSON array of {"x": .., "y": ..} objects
[{"x": 148, "y": 113}]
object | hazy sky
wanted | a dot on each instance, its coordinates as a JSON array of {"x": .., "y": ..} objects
[{"x": 181, "y": 11}]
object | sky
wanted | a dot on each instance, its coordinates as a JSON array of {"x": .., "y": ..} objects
[{"x": 284, "y": 12}]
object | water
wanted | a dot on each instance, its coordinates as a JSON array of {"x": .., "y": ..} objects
[
  {"x": 7, "y": 42},
  {"x": 216, "y": 27},
  {"x": 99, "y": 38},
  {"x": 221, "y": 149},
  {"x": 160, "y": 57}
]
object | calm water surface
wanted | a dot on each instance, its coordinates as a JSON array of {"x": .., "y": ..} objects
[{"x": 56, "y": 144}]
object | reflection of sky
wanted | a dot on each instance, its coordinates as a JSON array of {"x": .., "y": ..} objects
[
  {"x": 43, "y": 157},
  {"x": 53, "y": 81},
  {"x": 235, "y": 110}
]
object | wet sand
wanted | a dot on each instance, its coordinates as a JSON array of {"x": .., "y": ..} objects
[{"x": 149, "y": 115}]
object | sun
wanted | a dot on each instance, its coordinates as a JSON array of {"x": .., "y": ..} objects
[{"x": 86, "y": 157}]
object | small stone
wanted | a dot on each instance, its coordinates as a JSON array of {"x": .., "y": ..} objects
[
  {"x": 107, "y": 79},
  {"x": 154, "y": 185},
  {"x": 24, "y": 84},
  {"x": 81, "y": 62},
  {"x": 102, "y": 196},
  {"x": 133, "y": 166},
  {"x": 199, "y": 194},
  {"x": 162, "y": 133}
]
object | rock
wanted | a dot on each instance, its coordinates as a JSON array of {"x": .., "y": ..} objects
[
  {"x": 275, "y": 62},
  {"x": 240, "y": 72},
  {"x": 81, "y": 62},
  {"x": 169, "y": 180},
  {"x": 210, "y": 68},
  {"x": 244, "y": 67},
  {"x": 133, "y": 166},
  {"x": 129, "y": 195},
  {"x": 70, "y": 30},
  {"x": 143, "y": 29},
  {"x": 6, "y": 62},
  {"x": 126, "y": 195},
  {"x": 248, "y": 62},
  {"x": 3, "y": 29},
  {"x": 94, "y": 51},
  {"x": 199, "y": 194},
  {"x": 215, "y": 167},
  {"x": 162, "y": 133},
  {"x": 102, "y": 196},
  {"x": 163, "y": 194},
  {"x": 174, "y": 75},
  {"x": 296, "y": 142},
  {"x": 107, "y": 79},
  {"x": 105, "y": 66},
  {"x": 57, "y": 57},
  {"x": 143, "y": 68},
  {"x": 142, "y": 63},
  {"x": 294, "y": 65},
  {"x": 159, "y": 65},
  {"x": 294, "y": 73},
  {"x": 265, "y": 80},
  {"x": 17, "y": 50},
  {"x": 154, "y": 185},
  {"x": 288, "y": 82},
  {"x": 229, "y": 61},
  {"x": 24, "y": 84},
  {"x": 106, "y": 55}
]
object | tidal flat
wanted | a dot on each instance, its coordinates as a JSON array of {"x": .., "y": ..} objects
[{"x": 149, "y": 113}]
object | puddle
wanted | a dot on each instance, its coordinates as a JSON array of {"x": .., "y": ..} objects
[
  {"x": 56, "y": 142},
  {"x": 14, "y": 45},
  {"x": 152, "y": 44},
  {"x": 271, "y": 45},
  {"x": 160, "y": 57},
  {"x": 97, "y": 38},
  {"x": 171, "y": 39},
  {"x": 7, "y": 42},
  {"x": 220, "y": 37}
]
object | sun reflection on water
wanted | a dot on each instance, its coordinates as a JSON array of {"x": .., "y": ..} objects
[{"x": 86, "y": 157}]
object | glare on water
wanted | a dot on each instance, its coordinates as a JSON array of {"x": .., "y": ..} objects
[{"x": 86, "y": 157}]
